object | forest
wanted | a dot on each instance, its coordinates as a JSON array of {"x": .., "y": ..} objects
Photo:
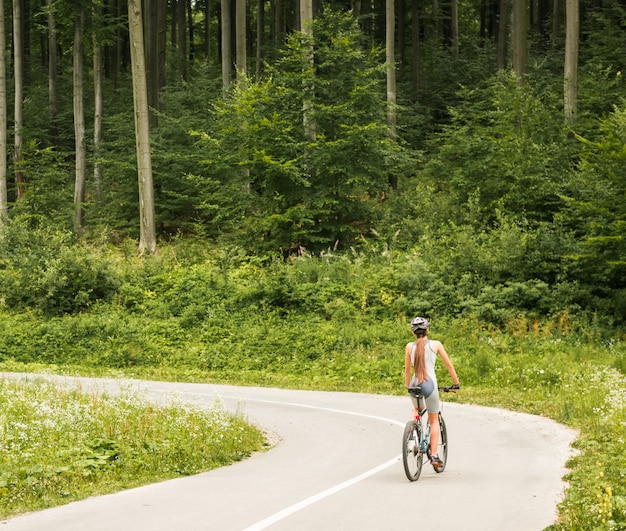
[{"x": 486, "y": 136}]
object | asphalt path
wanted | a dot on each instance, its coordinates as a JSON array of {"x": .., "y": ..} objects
[{"x": 336, "y": 465}]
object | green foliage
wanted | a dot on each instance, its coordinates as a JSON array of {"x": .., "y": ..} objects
[
  {"x": 602, "y": 66},
  {"x": 596, "y": 209},
  {"x": 300, "y": 191},
  {"x": 47, "y": 195},
  {"x": 506, "y": 147},
  {"x": 44, "y": 269},
  {"x": 65, "y": 444}
]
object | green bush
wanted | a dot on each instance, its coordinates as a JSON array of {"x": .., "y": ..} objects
[{"x": 44, "y": 269}]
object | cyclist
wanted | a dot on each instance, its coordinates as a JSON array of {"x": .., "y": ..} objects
[{"x": 420, "y": 358}]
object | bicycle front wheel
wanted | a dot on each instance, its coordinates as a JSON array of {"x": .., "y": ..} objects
[
  {"x": 443, "y": 444},
  {"x": 411, "y": 450}
]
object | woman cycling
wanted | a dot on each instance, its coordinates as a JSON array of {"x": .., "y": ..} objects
[{"x": 420, "y": 358}]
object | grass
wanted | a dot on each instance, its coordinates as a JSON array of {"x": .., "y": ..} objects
[
  {"x": 572, "y": 381},
  {"x": 333, "y": 324},
  {"x": 60, "y": 444}
]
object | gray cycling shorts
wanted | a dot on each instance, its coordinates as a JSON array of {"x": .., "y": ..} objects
[{"x": 431, "y": 396}]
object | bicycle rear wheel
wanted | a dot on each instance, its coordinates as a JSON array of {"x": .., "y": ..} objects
[{"x": 412, "y": 456}]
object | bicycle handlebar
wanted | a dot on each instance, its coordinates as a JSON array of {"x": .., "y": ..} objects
[{"x": 417, "y": 391}]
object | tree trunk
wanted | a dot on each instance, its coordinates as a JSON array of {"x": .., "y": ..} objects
[
  {"x": 306, "y": 26},
  {"x": 207, "y": 31},
  {"x": 173, "y": 33},
  {"x": 240, "y": 39},
  {"x": 503, "y": 25},
  {"x": 190, "y": 33},
  {"x": 149, "y": 10},
  {"x": 226, "y": 40},
  {"x": 18, "y": 60},
  {"x": 390, "y": 18},
  {"x": 79, "y": 122},
  {"x": 436, "y": 26},
  {"x": 260, "y": 37},
  {"x": 53, "y": 76},
  {"x": 543, "y": 17},
  {"x": 181, "y": 40},
  {"x": 118, "y": 47},
  {"x": 279, "y": 22},
  {"x": 4, "y": 210},
  {"x": 454, "y": 26},
  {"x": 161, "y": 45},
  {"x": 401, "y": 12},
  {"x": 391, "y": 67},
  {"x": 147, "y": 228},
  {"x": 98, "y": 97},
  {"x": 155, "y": 35},
  {"x": 555, "y": 22},
  {"x": 415, "y": 37},
  {"x": 520, "y": 39},
  {"x": 572, "y": 26}
]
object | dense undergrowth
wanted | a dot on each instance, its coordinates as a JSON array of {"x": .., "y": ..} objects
[{"x": 334, "y": 322}]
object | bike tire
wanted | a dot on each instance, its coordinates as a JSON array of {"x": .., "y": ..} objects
[
  {"x": 412, "y": 456},
  {"x": 443, "y": 444}
]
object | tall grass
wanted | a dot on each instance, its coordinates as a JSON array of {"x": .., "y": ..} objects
[{"x": 58, "y": 444}]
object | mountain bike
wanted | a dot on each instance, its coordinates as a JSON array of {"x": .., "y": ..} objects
[{"x": 416, "y": 439}]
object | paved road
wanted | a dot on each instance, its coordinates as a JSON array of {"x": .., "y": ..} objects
[{"x": 338, "y": 467}]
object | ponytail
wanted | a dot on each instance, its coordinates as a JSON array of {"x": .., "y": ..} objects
[{"x": 419, "y": 361}]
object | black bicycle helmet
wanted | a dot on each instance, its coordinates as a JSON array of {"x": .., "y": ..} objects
[{"x": 419, "y": 323}]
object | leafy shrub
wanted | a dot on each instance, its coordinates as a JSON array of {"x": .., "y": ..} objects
[{"x": 43, "y": 269}]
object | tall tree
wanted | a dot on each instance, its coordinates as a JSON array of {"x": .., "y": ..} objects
[
  {"x": 79, "y": 121},
  {"x": 207, "y": 31},
  {"x": 503, "y": 27},
  {"x": 391, "y": 66},
  {"x": 18, "y": 68},
  {"x": 415, "y": 46},
  {"x": 181, "y": 39},
  {"x": 155, "y": 34},
  {"x": 454, "y": 26},
  {"x": 147, "y": 227},
  {"x": 556, "y": 8},
  {"x": 306, "y": 26},
  {"x": 117, "y": 53},
  {"x": 390, "y": 32},
  {"x": 240, "y": 39},
  {"x": 4, "y": 211},
  {"x": 260, "y": 37},
  {"x": 226, "y": 41},
  {"x": 520, "y": 39},
  {"x": 572, "y": 23},
  {"x": 98, "y": 96},
  {"x": 53, "y": 68},
  {"x": 401, "y": 32}
]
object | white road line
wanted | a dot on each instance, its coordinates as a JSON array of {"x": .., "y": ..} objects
[
  {"x": 279, "y": 403},
  {"x": 288, "y": 511},
  {"x": 317, "y": 497}
]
